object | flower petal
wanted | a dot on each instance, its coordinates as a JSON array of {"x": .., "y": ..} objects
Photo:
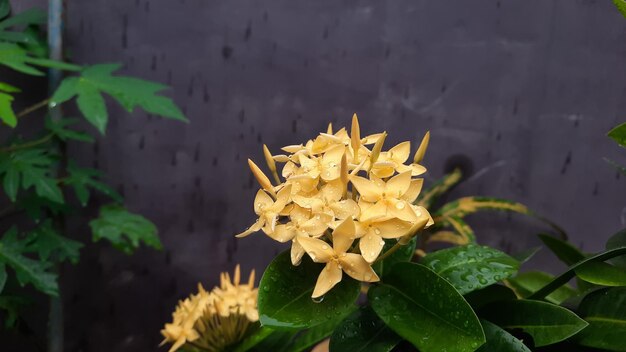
[
  {"x": 398, "y": 185},
  {"x": 370, "y": 245},
  {"x": 369, "y": 190},
  {"x": 283, "y": 233},
  {"x": 282, "y": 198},
  {"x": 318, "y": 250},
  {"x": 262, "y": 201},
  {"x": 343, "y": 236},
  {"x": 400, "y": 153},
  {"x": 296, "y": 252},
  {"x": 376, "y": 211},
  {"x": 357, "y": 267},
  {"x": 345, "y": 208},
  {"x": 329, "y": 277},
  {"x": 332, "y": 191},
  {"x": 252, "y": 229},
  {"x": 316, "y": 226},
  {"x": 401, "y": 209},
  {"x": 393, "y": 228},
  {"x": 414, "y": 190}
]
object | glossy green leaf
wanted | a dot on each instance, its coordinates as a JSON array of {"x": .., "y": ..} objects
[
  {"x": 5, "y": 87},
  {"x": 571, "y": 271},
  {"x": 605, "y": 311},
  {"x": 27, "y": 270},
  {"x": 277, "y": 341},
  {"x": 493, "y": 293},
  {"x": 425, "y": 309},
  {"x": 404, "y": 254},
  {"x": 285, "y": 295},
  {"x": 565, "y": 251},
  {"x": 471, "y": 267},
  {"x": 525, "y": 284},
  {"x": 47, "y": 242},
  {"x": 128, "y": 91},
  {"x": 618, "y": 133},
  {"x": 7, "y": 115},
  {"x": 363, "y": 331},
  {"x": 125, "y": 230},
  {"x": 29, "y": 168},
  {"x": 312, "y": 336},
  {"x": 616, "y": 241},
  {"x": 601, "y": 273},
  {"x": 545, "y": 322},
  {"x": 254, "y": 339},
  {"x": 500, "y": 340}
]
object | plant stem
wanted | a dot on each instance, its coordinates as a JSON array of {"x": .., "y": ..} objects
[
  {"x": 389, "y": 252},
  {"x": 33, "y": 107},
  {"x": 26, "y": 145}
]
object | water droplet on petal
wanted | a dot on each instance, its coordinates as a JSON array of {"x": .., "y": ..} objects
[
  {"x": 324, "y": 247},
  {"x": 400, "y": 205}
]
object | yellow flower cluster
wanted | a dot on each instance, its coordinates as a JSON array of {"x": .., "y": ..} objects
[
  {"x": 336, "y": 192},
  {"x": 215, "y": 320}
]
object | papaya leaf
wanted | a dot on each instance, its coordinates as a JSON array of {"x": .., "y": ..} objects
[
  {"x": 16, "y": 58},
  {"x": 125, "y": 230},
  {"x": 7, "y": 115},
  {"x": 621, "y": 6},
  {"x": 28, "y": 17},
  {"x": 27, "y": 270},
  {"x": 82, "y": 179},
  {"x": 47, "y": 242},
  {"x": 61, "y": 130},
  {"x": 128, "y": 91},
  {"x": 26, "y": 168}
]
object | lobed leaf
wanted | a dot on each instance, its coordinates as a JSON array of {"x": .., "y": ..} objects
[
  {"x": 26, "y": 168},
  {"x": 125, "y": 230},
  {"x": 47, "y": 242}
]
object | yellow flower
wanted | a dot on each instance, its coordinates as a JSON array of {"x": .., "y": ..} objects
[
  {"x": 383, "y": 200},
  {"x": 327, "y": 167},
  {"x": 337, "y": 259},
  {"x": 329, "y": 201},
  {"x": 217, "y": 320},
  {"x": 393, "y": 161},
  {"x": 268, "y": 210},
  {"x": 372, "y": 233}
]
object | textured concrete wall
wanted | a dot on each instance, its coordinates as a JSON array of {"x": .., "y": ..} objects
[{"x": 524, "y": 91}]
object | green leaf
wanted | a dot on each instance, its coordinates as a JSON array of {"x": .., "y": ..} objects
[
  {"x": 60, "y": 129},
  {"x": 128, "y": 91},
  {"x": 618, "y": 133},
  {"x": 471, "y": 267},
  {"x": 15, "y": 57},
  {"x": 123, "y": 229},
  {"x": 621, "y": 6},
  {"x": 47, "y": 242},
  {"x": 461, "y": 227},
  {"x": 7, "y": 115},
  {"x": 601, "y": 273},
  {"x": 314, "y": 335},
  {"x": 81, "y": 179},
  {"x": 545, "y": 322},
  {"x": 363, "y": 331},
  {"x": 28, "y": 271},
  {"x": 525, "y": 255},
  {"x": 525, "y": 284},
  {"x": 571, "y": 271},
  {"x": 605, "y": 311},
  {"x": 404, "y": 254},
  {"x": 3, "y": 276},
  {"x": 285, "y": 295},
  {"x": 5, "y": 8},
  {"x": 254, "y": 339},
  {"x": 28, "y": 17},
  {"x": 430, "y": 195},
  {"x": 616, "y": 241},
  {"x": 500, "y": 340},
  {"x": 426, "y": 310},
  {"x": 469, "y": 205},
  {"x": 12, "y": 305},
  {"x": 479, "y": 298},
  {"x": 30, "y": 168},
  {"x": 565, "y": 251},
  {"x": 5, "y": 87}
]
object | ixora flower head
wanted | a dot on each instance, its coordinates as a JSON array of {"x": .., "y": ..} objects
[
  {"x": 215, "y": 320},
  {"x": 339, "y": 200}
]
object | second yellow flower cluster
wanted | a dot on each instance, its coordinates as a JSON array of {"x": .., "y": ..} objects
[{"x": 336, "y": 191}]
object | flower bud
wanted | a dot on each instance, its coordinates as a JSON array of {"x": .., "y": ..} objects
[
  {"x": 421, "y": 151},
  {"x": 355, "y": 135},
  {"x": 377, "y": 148},
  {"x": 260, "y": 176}
]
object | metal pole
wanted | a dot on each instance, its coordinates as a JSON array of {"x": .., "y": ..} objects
[{"x": 55, "y": 45}]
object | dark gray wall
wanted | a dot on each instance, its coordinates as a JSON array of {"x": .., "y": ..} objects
[{"x": 526, "y": 90}]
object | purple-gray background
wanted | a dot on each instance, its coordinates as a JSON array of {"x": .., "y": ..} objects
[{"x": 526, "y": 90}]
